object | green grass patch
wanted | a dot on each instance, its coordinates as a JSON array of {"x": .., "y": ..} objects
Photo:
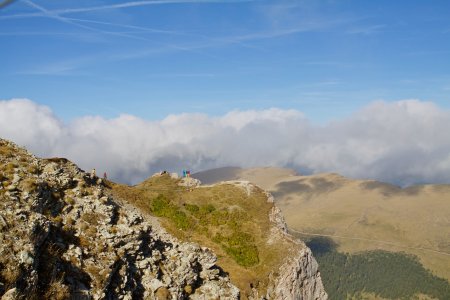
[
  {"x": 162, "y": 207},
  {"x": 240, "y": 246},
  {"x": 200, "y": 218}
]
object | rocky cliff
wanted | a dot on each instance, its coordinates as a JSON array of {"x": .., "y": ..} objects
[
  {"x": 62, "y": 236},
  {"x": 298, "y": 277}
]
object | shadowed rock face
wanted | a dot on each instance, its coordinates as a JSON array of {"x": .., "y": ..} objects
[{"x": 299, "y": 276}]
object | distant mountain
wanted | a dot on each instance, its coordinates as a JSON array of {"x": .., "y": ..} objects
[
  {"x": 217, "y": 175},
  {"x": 262, "y": 176}
]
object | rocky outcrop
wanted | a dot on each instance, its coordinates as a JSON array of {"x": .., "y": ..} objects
[
  {"x": 62, "y": 236},
  {"x": 299, "y": 276},
  {"x": 276, "y": 217},
  {"x": 189, "y": 182}
]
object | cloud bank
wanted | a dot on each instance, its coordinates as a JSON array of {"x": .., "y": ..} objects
[{"x": 403, "y": 142}]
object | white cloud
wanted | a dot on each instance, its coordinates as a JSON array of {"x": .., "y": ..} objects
[
  {"x": 28, "y": 123},
  {"x": 402, "y": 142}
]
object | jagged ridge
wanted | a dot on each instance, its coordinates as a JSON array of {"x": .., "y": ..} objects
[{"x": 62, "y": 235}]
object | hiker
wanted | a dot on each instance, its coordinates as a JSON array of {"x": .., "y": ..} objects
[
  {"x": 104, "y": 176},
  {"x": 93, "y": 173}
]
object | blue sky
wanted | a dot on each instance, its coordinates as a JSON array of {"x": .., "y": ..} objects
[{"x": 154, "y": 58}]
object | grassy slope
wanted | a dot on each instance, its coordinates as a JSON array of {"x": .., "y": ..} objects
[{"x": 221, "y": 217}]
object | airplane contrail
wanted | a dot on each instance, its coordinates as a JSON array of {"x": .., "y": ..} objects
[
  {"x": 5, "y": 3},
  {"x": 119, "y": 5}
]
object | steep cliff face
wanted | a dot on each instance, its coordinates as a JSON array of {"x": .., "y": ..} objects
[
  {"x": 298, "y": 277},
  {"x": 61, "y": 236}
]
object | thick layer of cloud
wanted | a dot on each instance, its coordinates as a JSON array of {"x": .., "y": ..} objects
[{"x": 403, "y": 142}]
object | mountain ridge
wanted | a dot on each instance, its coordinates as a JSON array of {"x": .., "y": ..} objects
[{"x": 64, "y": 234}]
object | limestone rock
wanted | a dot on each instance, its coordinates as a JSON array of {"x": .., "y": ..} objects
[
  {"x": 11, "y": 294},
  {"x": 299, "y": 278},
  {"x": 189, "y": 182}
]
